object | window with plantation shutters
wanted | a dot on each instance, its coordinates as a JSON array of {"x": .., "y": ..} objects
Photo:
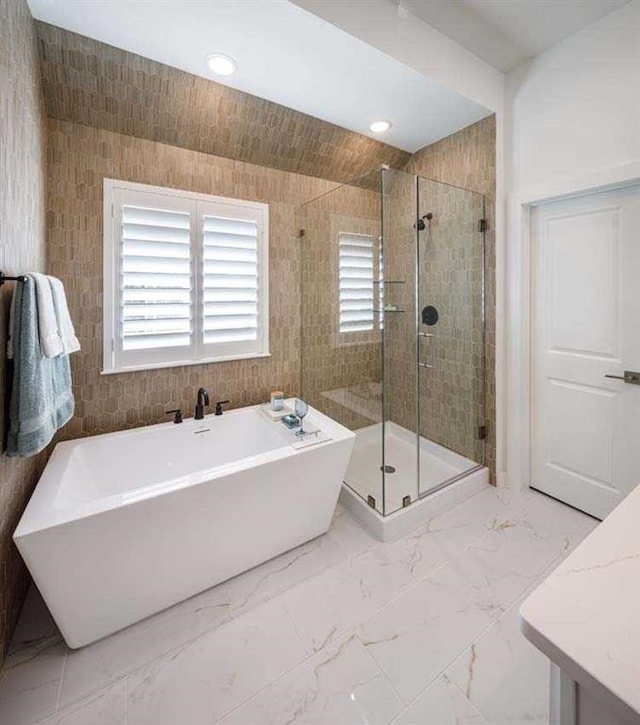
[
  {"x": 358, "y": 289},
  {"x": 185, "y": 278}
]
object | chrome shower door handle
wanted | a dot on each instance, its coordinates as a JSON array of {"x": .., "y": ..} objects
[
  {"x": 629, "y": 376},
  {"x": 424, "y": 335}
]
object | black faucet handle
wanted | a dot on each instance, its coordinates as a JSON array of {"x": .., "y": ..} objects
[
  {"x": 219, "y": 405},
  {"x": 177, "y": 418}
]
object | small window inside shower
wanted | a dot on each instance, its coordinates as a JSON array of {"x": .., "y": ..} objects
[{"x": 359, "y": 288}]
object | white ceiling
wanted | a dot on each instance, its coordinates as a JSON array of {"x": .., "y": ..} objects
[
  {"x": 284, "y": 54},
  {"x": 504, "y": 33}
]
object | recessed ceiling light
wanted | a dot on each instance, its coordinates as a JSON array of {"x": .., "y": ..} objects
[
  {"x": 223, "y": 65},
  {"x": 380, "y": 126}
]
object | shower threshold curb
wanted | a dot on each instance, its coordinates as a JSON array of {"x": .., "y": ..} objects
[{"x": 399, "y": 523}]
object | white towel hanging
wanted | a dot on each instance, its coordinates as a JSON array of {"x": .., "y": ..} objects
[
  {"x": 50, "y": 340},
  {"x": 66, "y": 331}
]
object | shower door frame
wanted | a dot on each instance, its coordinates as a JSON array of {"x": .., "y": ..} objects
[
  {"x": 417, "y": 338},
  {"x": 380, "y": 299},
  {"x": 382, "y": 315},
  {"x": 483, "y": 307}
]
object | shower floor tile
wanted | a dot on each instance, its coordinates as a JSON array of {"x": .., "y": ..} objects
[{"x": 341, "y": 631}]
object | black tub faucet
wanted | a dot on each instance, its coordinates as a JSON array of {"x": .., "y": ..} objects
[{"x": 201, "y": 403}]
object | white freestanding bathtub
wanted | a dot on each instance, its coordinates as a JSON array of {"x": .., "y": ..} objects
[{"x": 125, "y": 524}]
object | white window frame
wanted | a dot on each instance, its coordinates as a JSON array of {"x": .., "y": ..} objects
[{"x": 118, "y": 193}]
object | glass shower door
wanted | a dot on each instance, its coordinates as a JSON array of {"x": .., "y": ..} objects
[
  {"x": 398, "y": 298},
  {"x": 450, "y": 262},
  {"x": 340, "y": 321}
]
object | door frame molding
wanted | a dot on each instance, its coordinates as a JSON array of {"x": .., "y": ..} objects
[{"x": 517, "y": 360}]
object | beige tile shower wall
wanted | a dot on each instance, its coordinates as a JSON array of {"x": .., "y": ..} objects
[
  {"x": 22, "y": 237},
  {"x": 467, "y": 159},
  {"x": 449, "y": 394},
  {"x": 98, "y": 85},
  {"x": 340, "y": 372},
  {"x": 450, "y": 278},
  {"x": 79, "y": 158}
]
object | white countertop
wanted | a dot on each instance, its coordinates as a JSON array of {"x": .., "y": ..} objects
[{"x": 586, "y": 615}]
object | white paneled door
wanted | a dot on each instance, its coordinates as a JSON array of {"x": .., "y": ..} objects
[{"x": 586, "y": 326}]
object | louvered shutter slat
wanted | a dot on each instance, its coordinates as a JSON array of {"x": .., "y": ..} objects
[
  {"x": 155, "y": 309},
  {"x": 230, "y": 280},
  {"x": 230, "y": 294}
]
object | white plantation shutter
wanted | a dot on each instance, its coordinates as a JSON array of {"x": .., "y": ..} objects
[
  {"x": 185, "y": 278},
  {"x": 155, "y": 278},
  {"x": 230, "y": 280},
  {"x": 356, "y": 285}
]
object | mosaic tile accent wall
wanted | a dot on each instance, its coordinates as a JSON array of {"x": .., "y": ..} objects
[
  {"x": 22, "y": 237},
  {"x": 79, "y": 158},
  {"x": 467, "y": 159},
  {"x": 98, "y": 85}
]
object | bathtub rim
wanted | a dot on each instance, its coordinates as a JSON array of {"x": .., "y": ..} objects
[{"x": 41, "y": 513}]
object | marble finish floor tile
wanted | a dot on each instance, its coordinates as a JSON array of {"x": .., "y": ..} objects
[
  {"x": 101, "y": 663},
  {"x": 339, "y": 686},
  {"x": 506, "y": 562},
  {"x": 419, "y": 634},
  {"x": 203, "y": 680},
  {"x": 35, "y": 632},
  {"x": 441, "y": 703},
  {"x": 557, "y": 522},
  {"x": 33, "y": 670},
  {"x": 504, "y": 675},
  {"x": 336, "y": 602},
  {"x": 349, "y": 534},
  {"x": 29, "y": 690},
  {"x": 473, "y": 518},
  {"x": 107, "y": 707}
]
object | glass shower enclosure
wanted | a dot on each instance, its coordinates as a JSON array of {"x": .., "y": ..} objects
[{"x": 392, "y": 319}]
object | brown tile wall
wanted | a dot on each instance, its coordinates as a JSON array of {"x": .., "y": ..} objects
[
  {"x": 98, "y": 85},
  {"x": 79, "y": 158},
  {"x": 468, "y": 159},
  {"x": 450, "y": 278},
  {"x": 22, "y": 246}
]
